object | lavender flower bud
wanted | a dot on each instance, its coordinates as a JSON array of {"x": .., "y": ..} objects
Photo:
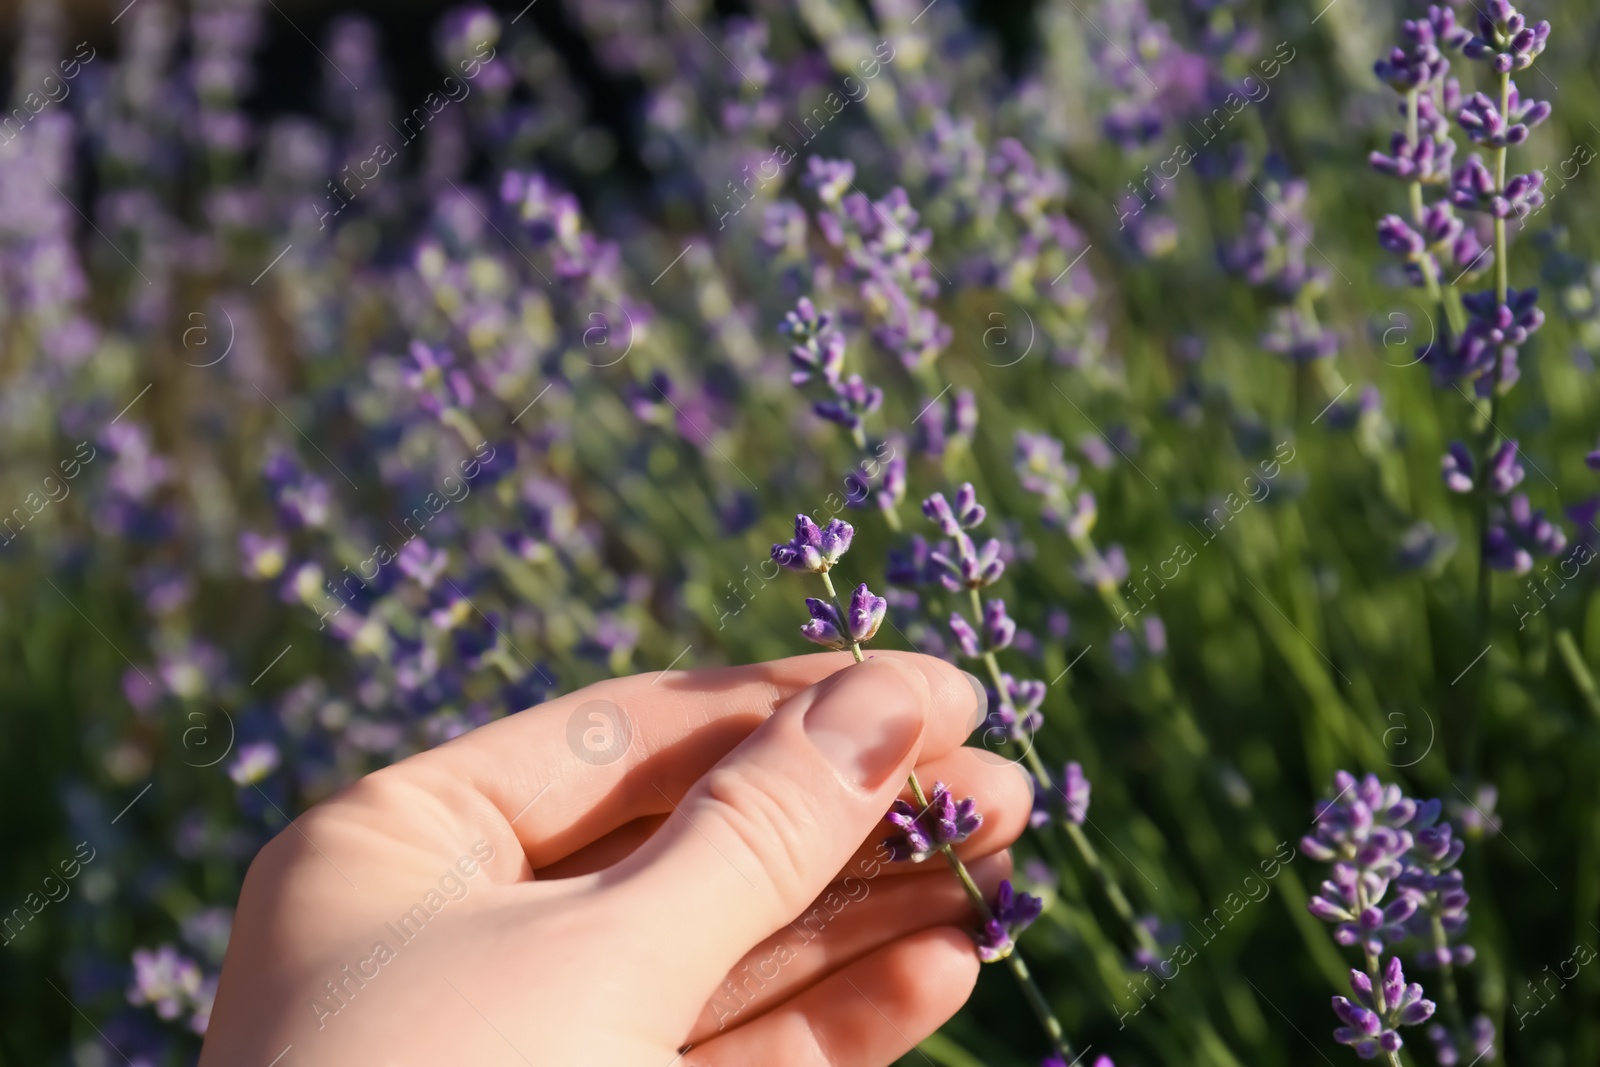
[
  {"x": 968, "y": 510},
  {"x": 865, "y": 614},
  {"x": 1505, "y": 473},
  {"x": 922, "y": 833},
  {"x": 1473, "y": 188},
  {"x": 973, "y": 568},
  {"x": 830, "y": 178},
  {"x": 1519, "y": 531},
  {"x": 966, "y": 514},
  {"x": 813, "y": 549},
  {"x": 1013, "y": 911},
  {"x": 856, "y": 399},
  {"x": 966, "y": 637},
  {"x": 1484, "y": 124},
  {"x": 824, "y": 628},
  {"x": 937, "y": 508},
  {"x": 1083, "y": 515},
  {"x": 1480, "y": 1050},
  {"x": 1505, "y": 39},
  {"x": 1458, "y": 468},
  {"x": 998, "y": 627},
  {"x": 964, "y": 413},
  {"x": 822, "y": 357},
  {"x": 1075, "y": 793},
  {"x": 892, "y": 488},
  {"x": 264, "y": 556},
  {"x": 1427, "y": 161},
  {"x": 1396, "y": 237}
]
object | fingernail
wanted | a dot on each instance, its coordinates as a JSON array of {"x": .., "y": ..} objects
[
  {"x": 866, "y": 725},
  {"x": 982, "y": 711}
]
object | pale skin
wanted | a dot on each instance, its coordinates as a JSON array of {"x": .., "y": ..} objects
[{"x": 716, "y": 884}]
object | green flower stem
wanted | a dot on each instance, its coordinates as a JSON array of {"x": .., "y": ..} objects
[
  {"x": 1013, "y": 959},
  {"x": 1085, "y": 849},
  {"x": 1447, "y": 979},
  {"x": 1502, "y": 269},
  {"x": 1491, "y": 440},
  {"x": 1030, "y": 989},
  {"x": 1373, "y": 971},
  {"x": 1572, "y": 659},
  {"x": 1452, "y": 308}
]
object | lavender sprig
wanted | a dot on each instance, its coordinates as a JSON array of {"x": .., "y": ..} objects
[
  {"x": 933, "y": 825},
  {"x": 975, "y": 569},
  {"x": 1499, "y": 325},
  {"x": 1376, "y": 839},
  {"x": 817, "y": 355}
]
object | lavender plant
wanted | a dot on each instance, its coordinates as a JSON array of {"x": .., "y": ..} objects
[{"x": 343, "y": 416}]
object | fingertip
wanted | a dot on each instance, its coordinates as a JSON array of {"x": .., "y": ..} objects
[{"x": 956, "y": 700}]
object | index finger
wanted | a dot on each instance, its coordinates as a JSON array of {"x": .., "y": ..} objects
[{"x": 567, "y": 772}]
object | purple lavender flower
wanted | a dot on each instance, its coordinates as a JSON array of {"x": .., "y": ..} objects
[
  {"x": 1014, "y": 911},
  {"x": 998, "y": 627},
  {"x": 1041, "y": 467},
  {"x": 1365, "y": 832},
  {"x": 1505, "y": 473},
  {"x": 1505, "y": 39},
  {"x": 854, "y": 400},
  {"x": 966, "y": 637},
  {"x": 814, "y": 550},
  {"x": 264, "y": 556},
  {"x": 1075, "y": 793},
  {"x": 1473, "y": 188},
  {"x": 1486, "y": 354},
  {"x": 865, "y": 614},
  {"x": 1427, "y": 161},
  {"x": 862, "y": 619},
  {"x": 164, "y": 978},
  {"x": 965, "y": 515},
  {"x": 254, "y": 762},
  {"x": 1398, "y": 238},
  {"x": 1458, "y": 468},
  {"x": 1395, "y": 1003},
  {"x": 1485, "y": 125},
  {"x": 829, "y": 177},
  {"x": 818, "y": 351},
  {"x": 1018, "y": 714},
  {"x": 972, "y": 567},
  {"x": 922, "y": 833},
  {"x": 1476, "y": 814},
  {"x": 1517, "y": 533},
  {"x": 1480, "y": 1046}
]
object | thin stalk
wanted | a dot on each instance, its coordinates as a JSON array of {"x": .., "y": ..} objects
[
  {"x": 1085, "y": 849},
  {"x": 1572, "y": 659},
  {"x": 1447, "y": 977},
  {"x": 1373, "y": 971},
  {"x": 1030, "y": 989},
  {"x": 1490, "y": 434},
  {"x": 1430, "y": 277},
  {"x": 1013, "y": 959},
  {"x": 1502, "y": 270}
]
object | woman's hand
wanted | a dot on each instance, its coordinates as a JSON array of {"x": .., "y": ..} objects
[{"x": 688, "y": 858}]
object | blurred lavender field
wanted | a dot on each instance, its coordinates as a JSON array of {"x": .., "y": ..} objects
[{"x": 367, "y": 377}]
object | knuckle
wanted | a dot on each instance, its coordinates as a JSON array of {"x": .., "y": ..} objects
[{"x": 768, "y": 820}]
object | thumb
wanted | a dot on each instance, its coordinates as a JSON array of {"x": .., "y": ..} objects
[{"x": 766, "y": 830}]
